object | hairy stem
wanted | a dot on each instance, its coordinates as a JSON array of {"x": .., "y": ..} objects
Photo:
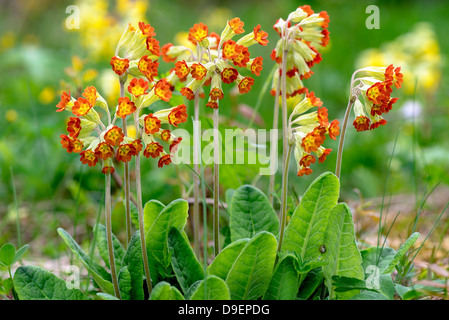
[
  {"x": 286, "y": 149},
  {"x": 216, "y": 183},
  {"x": 108, "y": 211},
  {"x": 196, "y": 181},
  {"x": 342, "y": 137},
  {"x": 140, "y": 212},
  {"x": 274, "y": 143}
]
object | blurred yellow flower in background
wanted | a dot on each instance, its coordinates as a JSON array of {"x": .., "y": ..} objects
[
  {"x": 102, "y": 22},
  {"x": 418, "y": 52},
  {"x": 11, "y": 115},
  {"x": 47, "y": 95}
]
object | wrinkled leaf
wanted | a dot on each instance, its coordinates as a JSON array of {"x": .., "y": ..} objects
[
  {"x": 249, "y": 277},
  {"x": 35, "y": 283},
  {"x": 102, "y": 245},
  {"x": 340, "y": 249},
  {"x": 124, "y": 283},
  {"x": 7, "y": 254},
  {"x": 164, "y": 291},
  {"x": 133, "y": 260},
  {"x": 185, "y": 265},
  {"x": 150, "y": 212},
  {"x": 401, "y": 252},
  {"x": 310, "y": 284},
  {"x": 284, "y": 283},
  {"x": 212, "y": 288},
  {"x": 304, "y": 233},
  {"x": 225, "y": 259},
  {"x": 251, "y": 213}
]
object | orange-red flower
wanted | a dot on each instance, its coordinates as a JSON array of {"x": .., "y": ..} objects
[
  {"x": 90, "y": 93},
  {"x": 212, "y": 104},
  {"x": 88, "y": 157},
  {"x": 166, "y": 135},
  {"x": 146, "y": 29},
  {"x": 361, "y": 123},
  {"x": 71, "y": 145},
  {"x": 245, "y": 85},
  {"x": 304, "y": 171},
  {"x": 164, "y": 160},
  {"x": 257, "y": 66},
  {"x": 307, "y": 160},
  {"x": 178, "y": 115},
  {"x": 181, "y": 69},
  {"x": 198, "y": 32},
  {"x": 65, "y": 99},
  {"x": 260, "y": 36},
  {"x": 198, "y": 71},
  {"x": 125, "y": 107},
  {"x": 153, "y": 150},
  {"x": 138, "y": 87},
  {"x": 188, "y": 93},
  {"x": 153, "y": 46},
  {"x": 323, "y": 156},
  {"x": 163, "y": 90},
  {"x": 228, "y": 75},
  {"x": 151, "y": 124},
  {"x": 164, "y": 51},
  {"x": 107, "y": 169},
  {"x": 119, "y": 65},
  {"x": 323, "y": 117},
  {"x": 74, "y": 127},
  {"x": 230, "y": 49},
  {"x": 241, "y": 58},
  {"x": 125, "y": 152},
  {"x": 148, "y": 67},
  {"x": 311, "y": 142},
  {"x": 114, "y": 136},
  {"x": 174, "y": 144},
  {"x": 236, "y": 25},
  {"x": 334, "y": 129},
  {"x": 137, "y": 144},
  {"x": 104, "y": 151},
  {"x": 81, "y": 107},
  {"x": 216, "y": 93}
]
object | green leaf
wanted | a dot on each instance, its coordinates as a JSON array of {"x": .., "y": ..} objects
[
  {"x": 310, "y": 284},
  {"x": 102, "y": 245},
  {"x": 133, "y": 260},
  {"x": 211, "y": 288},
  {"x": 100, "y": 276},
  {"x": 185, "y": 265},
  {"x": 284, "y": 284},
  {"x": 251, "y": 212},
  {"x": 105, "y": 296},
  {"x": 150, "y": 212},
  {"x": 124, "y": 283},
  {"x": 7, "y": 286},
  {"x": 35, "y": 283},
  {"x": 305, "y": 231},
  {"x": 368, "y": 295},
  {"x": 224, "y": 261},
  {"x": 20, "y": 253},
  {"x": 341, "y": 252},
  {"x": 374, "y": 257},
  {"x": 173, "y": 215},
  {"x": 249, "y": 276},
  {"x": 164, "y": 291},
  {"x": 401, "y": 252},
  {"x": 7, "y": 254}
]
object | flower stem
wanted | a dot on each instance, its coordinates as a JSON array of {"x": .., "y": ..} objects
[
  {"x": 216, "y": 183},
  {"x": 108, "y": 211},
  {"x": 196, "y": 181},
  {"x": 274, "y": 143},
  {"x": 140, "y": 213},
  {"x": 126, "y": 178},
  {"x": 342, "y": 137},
  {"x": 286, "y": 149}
]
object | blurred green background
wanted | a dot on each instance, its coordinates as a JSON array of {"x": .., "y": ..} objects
[{"x": 39, "y": 57}]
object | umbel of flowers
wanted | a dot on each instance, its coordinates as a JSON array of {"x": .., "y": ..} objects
[
  {"x": 97, "y": 140},
  {"x": 103, "y": 139}
]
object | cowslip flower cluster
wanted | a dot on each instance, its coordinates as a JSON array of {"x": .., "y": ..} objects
[
  {"x": 97, "y": 140},
  {"x": 302, "y": 36},
  {"x": 308, "y": 130},
  {"x": 216, "y": 60},
  {"x": 375, "y": 89}
]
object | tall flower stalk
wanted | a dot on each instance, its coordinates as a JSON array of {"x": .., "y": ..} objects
[
  {"x": 374, "y": 88},
  {"x": 214, "y": 64},
  {"x": 301, "y": 36},
  {"x": 95, "y": 140}
]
